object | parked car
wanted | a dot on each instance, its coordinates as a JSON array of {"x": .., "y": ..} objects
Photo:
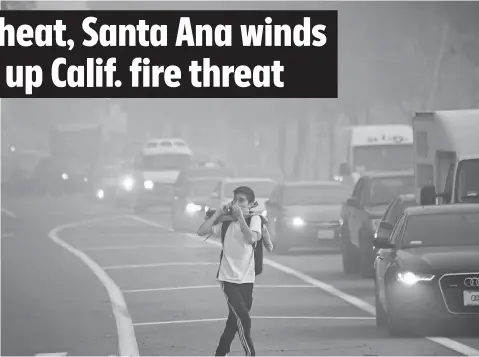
[
  {"x": 393, "y": 212},
  {"x": 191, "y": 202},
  {"x": 362, "y": 212},
  {"x": 305, "y": 214}
]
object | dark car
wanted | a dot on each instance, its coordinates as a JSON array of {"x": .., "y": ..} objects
[
  {"x": 428, "y": 269},
  {"x": 190, "y": 203},
  {"x": 305, "y": 214},
  {"x": 395, "y": 210},
  {"x": 58, "y": 177},
  {"x": 117, "y": 184},
  {"x": 362, "y": 212}
]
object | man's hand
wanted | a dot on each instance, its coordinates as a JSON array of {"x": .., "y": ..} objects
[{"x": 236, "y": 212}]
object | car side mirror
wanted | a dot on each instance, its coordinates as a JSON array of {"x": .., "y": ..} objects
[
  {"x": 386, "y": 226},
  {"x": 428, "y": 196},
  {"x": 353, "y": 202},
  {"x": 382, "y": 243}
]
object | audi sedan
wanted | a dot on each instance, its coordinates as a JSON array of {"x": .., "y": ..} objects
[{"x": 427, "y": 271}]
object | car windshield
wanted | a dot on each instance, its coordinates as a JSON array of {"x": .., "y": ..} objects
[
  {"x": 261, "y": 188},
  {"x": 459, "y": 229},
  {"x": 383, "y": 158},
  {"x": 314, "y": 195},
  {"x": 165, "y": 162},
  {"x": 202, "y": 188},
  {"x": 386, "y": 189},
  {"x": 468, "y": 182}
]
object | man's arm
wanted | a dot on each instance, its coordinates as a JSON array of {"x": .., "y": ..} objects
[
  {"x": 267, "y": 239},
  {"x": 207, "y": 226},
  {"x": 252, "y": 234}
]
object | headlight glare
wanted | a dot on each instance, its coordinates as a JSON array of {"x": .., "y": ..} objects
[
  {"x": 298, "y": 222},
  {"x": 193, "y": 208},
  {"x": 100, "y": 194},
  {"x": 410, "y": 278},
  {"x": 128, "y": 183},
  {"x": 148, "y": 184}
]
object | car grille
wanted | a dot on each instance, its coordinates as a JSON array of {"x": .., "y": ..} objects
[{"x": 452, "y": 288}]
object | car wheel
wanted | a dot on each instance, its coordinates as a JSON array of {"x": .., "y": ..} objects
[
  {"x": 349, "y": 258},
  {"x": 381, "y": 319},
  {"x": 397, "y": 323}
]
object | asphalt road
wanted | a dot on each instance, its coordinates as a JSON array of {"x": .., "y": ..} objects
[{"x": 159, "y": 295}]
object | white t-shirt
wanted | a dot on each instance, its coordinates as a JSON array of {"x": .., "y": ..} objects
[{"x": 237, "y": 264}]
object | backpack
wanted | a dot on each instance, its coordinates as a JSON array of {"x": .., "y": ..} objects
[{"x": 257, "y": 247}]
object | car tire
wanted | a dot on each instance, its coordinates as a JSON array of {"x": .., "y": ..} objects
[
  {"x": 397, "y": 323},
  {"x": 381, "y": 318},
  {"x": 349, "y": 258}
]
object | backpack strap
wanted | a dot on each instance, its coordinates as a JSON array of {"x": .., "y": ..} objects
[{"x": 224, "y": 229}]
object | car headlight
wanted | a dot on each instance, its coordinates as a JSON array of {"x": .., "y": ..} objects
[
  {"x": 100, "y": 194},
  {"x": 128, "y": 183},
  {"x": 148, "y": 184},
  {"x": 64, "y": 176},
  {"x": 409, "y": 278},
  {"x": 193, "y": 208},
  {"x": 298, "y": 222},
  {"x": 375, "y": 224},
  {"x": 264, "y": 213}
]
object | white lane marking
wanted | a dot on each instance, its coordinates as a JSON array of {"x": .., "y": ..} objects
[
  {"x": 52, "y": 354},
  {"x": 456, "y": 346},
  {"x": 154, "y": 246},
  {"x": 131, "y": 235},
  {"x": 8, "y": 213},
  {"x": 127, "y": 343},
  {"x": 148, "y": 223},
  {"x": 353, "y": 300},
  {"x": 212, "y": 286},
  {"x": 138, "y": 266},
  {"x": 257, "y": 317}
]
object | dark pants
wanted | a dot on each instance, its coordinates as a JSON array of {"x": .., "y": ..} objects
[{"x": 240, "y": 300}]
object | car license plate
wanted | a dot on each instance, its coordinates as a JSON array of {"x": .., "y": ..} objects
[
  {"x": 471, "y": 298},
  {"x": 325, "y": 234}
]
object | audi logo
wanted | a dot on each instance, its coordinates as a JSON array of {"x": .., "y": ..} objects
[
  {"x": 472, "y": 283},
  {"x": 475, "y": 298}
]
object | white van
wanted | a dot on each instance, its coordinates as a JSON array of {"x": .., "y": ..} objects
[
  {"x": 158, "y": 166},
  {"x": 447, "y": 156},
  {"x": 374, "y": 148}
]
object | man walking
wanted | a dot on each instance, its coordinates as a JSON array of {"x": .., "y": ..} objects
[{"x": 236, "y": 272}]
